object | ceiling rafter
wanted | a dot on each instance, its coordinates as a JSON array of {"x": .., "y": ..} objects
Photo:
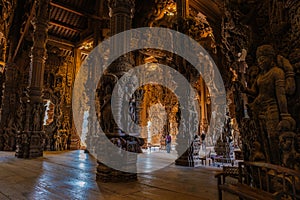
[
  {"x": 61, "y": 43},
  {"x": 65, "y": 26},
  {"x": 27, "y": 24},
  {"x": 74, "y": 11}
]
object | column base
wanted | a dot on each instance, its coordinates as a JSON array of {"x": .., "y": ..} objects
[
  {"x": 190, "y": 157},
  {"x": 30, "y": 144},
  {"x": 107, "y": 174},
  {"x": 189, "y": 161}
]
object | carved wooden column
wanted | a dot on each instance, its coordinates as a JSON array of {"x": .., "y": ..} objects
[
  {"x": 183, "y": 8},
  {"x": 121, "y": 12},
  {"x": 10, "y": 89},
  {"x": 190, "y": 157},
  {"x": 30, "y": 140},
  {"x": 8, "y": 75},
  {"x": 10, "y": 105}
]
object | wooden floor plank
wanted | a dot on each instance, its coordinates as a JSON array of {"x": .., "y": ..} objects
[{"x": 71, "y": 175}]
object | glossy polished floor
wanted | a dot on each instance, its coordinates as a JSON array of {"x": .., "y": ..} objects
[{"x": 71, "y": 175}]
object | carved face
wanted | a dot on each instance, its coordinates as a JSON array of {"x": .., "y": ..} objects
[
  {"x": 264, "y": 62},
  {"x": 265, "y": 55},
  {"x": 286, "y": 143}
]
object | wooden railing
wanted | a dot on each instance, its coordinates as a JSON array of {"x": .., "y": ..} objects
[{"x": 258, "y": 180}]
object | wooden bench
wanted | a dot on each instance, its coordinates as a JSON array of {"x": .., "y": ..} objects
[{"x": 258, "y": 180}]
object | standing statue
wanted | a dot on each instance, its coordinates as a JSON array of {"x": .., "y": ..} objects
[
  {"x": 106, "y": 113},
  {"x": 36, "y": 118},
  {"x": 132, "y": 110},
  {"x": 270, "y": 104}
]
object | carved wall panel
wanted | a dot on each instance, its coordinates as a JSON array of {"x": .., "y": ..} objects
[
  {"x": 13, "y": 111},
  {"x": 274, "y": 23},
  {"x": 58, "y": 87}
]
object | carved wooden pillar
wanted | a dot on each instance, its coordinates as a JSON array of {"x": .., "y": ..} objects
[
  {"x": 10, "y": 105},
  {"x": 30, "y": 140},
  {"x": 10, "y": 90},
  {"x": 121, "y": 12},
  {"x": 183, "y": 8},
  {"x": 189, "y": 157}
]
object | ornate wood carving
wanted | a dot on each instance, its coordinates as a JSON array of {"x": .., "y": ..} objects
[
  {"x": 34, "y": 107},
  {"x": 268, "y": 131},
  {"x": 162, "y": 14},
  {"x": 58, "y": 87},
  {"x": 7, "y": 13},
  {"x": 121, "y": 13}
]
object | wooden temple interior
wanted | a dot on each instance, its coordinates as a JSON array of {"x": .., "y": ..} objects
[{"x": 75, "y": 76}]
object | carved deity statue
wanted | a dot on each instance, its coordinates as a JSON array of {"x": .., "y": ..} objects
[
  {"x": 106, "y": 114},
  {"x": 270, "y": 105}
]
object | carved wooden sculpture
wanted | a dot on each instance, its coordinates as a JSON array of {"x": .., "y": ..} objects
[{"x": 270, "y": 104}]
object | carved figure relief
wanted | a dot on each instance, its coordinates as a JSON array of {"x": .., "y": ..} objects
[
  {"x": 106, "y": 113},
  {"x": 289, "y": 156},
  {"x": 270, "y": 104},
  {"x": 104, "y": 92}
]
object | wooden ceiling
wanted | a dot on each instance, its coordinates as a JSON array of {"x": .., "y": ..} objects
[{"x": 72, "y": 22}]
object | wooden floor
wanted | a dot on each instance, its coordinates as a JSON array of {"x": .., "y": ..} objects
[{"x": 71, "y": 175}]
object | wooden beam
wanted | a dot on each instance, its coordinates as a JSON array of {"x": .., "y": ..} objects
[
  {"x": 72, "y": 10},
  {"x": 60, "y": 43},
  {"x": 88, "y": 38},
  {"x": 210, "y": 9},
  {"x": 65, "y": 26},
  {"x": 24, "y": 31},
  {"x": 64, "y": 7}
]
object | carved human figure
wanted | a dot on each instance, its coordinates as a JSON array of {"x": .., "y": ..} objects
[
  {"x": 19, "y": 117},
  {"x": 57, "y": 142},
  {"x": 106, "y": 114},
  {"x": 132, "y": 110},
  {"x": 289, "y": 156},
  {"x": 256, "y": 153},
  {"x": 270, "y": 104},
  {"x": 36, "y": 117},
  {"x": 25, "y": 144},
  {"x": 64, "y": 137}
]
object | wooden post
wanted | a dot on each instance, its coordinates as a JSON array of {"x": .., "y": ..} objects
[{"x": 30, "y": 140}]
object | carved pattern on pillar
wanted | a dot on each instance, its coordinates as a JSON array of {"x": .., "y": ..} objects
[
  {"x": 183, "y": 8},
  {"x": 30, "y": 140},
  {"x": 121, "y": 13},
  {"x": 7, "y": 142},
  {"x": 38, "y": 54}
]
